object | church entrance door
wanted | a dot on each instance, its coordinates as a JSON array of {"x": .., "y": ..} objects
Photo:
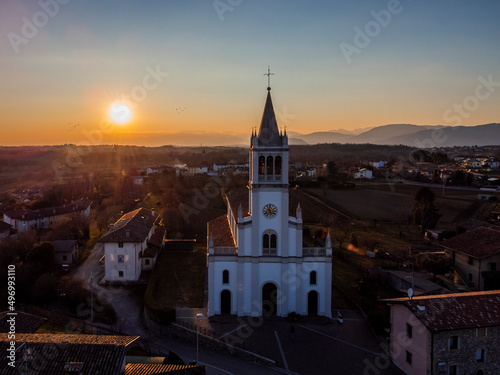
[
  {"x": 269, "y": 299},
  {"x": 312, "y": 303},
  {"x": 225, "y": 302}
]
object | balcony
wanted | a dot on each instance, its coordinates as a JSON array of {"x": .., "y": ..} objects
[
  {"x": 314, "y": 251},
  {"x": 228, "y": 250},
  {"x": 270, "y": 178},
  {"x": 269, "y": 251}
]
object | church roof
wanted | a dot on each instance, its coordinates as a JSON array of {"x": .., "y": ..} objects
[
  {"x": 269, "y": 134},
  {"x": 221, "y": 232}
]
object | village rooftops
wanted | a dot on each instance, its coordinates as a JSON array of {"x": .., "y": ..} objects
[
  {"x": 55, "y": 354},
  {"x": 446, "y": 312},
  {"x": 131, "y": 227},
  {"x": 479, "y": 243},
  {"x": 28, "y": 214}
]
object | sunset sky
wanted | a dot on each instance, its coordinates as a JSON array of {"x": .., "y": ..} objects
[{"x": 198, "y": 65}]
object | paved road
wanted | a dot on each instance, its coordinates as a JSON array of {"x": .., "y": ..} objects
[{"x": 128, "y": 307}]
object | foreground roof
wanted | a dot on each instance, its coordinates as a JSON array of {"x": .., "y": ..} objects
[
  {"x": 157, "y": 369},
  {"x": 455, "y": 311},
  {"x": 479, "y": 243},
  {"x": 90, "y": 354}
]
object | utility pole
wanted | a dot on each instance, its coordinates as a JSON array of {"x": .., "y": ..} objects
[{"x": 91, "y": 301}]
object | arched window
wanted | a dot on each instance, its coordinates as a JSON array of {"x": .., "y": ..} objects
[
  {"x": 262, "y": 165},
  {"x": 273, "y": 241},
  {"x": 277, "y": 165},
  {"x": 225, "y": 277},
  {"x": 265, "y": 242},
  {"x": 312, "y": 278},
  {"x": 269, "y": 165},
  {"x": 269, "y": 244}
]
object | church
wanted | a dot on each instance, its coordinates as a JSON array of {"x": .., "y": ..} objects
[{"x": 257, "y": 262}]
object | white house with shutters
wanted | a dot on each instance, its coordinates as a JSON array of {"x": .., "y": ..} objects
[
  {"x": 132, "y": 245},
  {"x": 257, "y": 264}
]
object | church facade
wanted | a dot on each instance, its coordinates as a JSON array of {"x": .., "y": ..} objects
[{"x": 257, "y": 263}]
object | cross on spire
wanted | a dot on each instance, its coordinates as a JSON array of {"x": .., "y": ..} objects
[{"x": 269, "y": 74}]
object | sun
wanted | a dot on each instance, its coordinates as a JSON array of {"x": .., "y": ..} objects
[{"x": 120, "y": 113}]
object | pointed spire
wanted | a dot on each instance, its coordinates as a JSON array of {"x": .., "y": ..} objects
[
  {"x": 299, "y": 212},
  {"x": 268, "y": 132},
  {"x": 328, "y": 242}
]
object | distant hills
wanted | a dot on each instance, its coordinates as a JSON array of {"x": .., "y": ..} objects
[{"x": 421, "y": 136}]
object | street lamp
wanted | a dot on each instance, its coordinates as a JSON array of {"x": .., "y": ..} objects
[{"x": 197, "y": 316}]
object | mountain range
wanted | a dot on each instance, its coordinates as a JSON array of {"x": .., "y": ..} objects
[{"x": 421, "y": 136}]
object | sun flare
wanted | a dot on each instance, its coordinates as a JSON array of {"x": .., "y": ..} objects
[{"x": 120, "y": 113}]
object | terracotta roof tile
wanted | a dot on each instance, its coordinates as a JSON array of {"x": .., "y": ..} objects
[
  {"x": 132, "y": 227},
  {"x": 478, "y": 243},
  {"x": 455, "y": 311},
  {"x": 157, "y": 369},
  {"x": 221, "y": 232}
]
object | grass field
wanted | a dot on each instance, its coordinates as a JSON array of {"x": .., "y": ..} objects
[{"x": 392, "y": 203}]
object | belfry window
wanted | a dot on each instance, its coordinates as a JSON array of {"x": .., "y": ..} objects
[
  {"x": 269, "y": 165},
  {"x": 262, "y": 165},
  {"x": 225, "y": 277},
  {"x": 277, "y": 165}
]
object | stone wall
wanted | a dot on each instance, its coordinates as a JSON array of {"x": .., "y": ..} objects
[{"x": 470, "y": 340}]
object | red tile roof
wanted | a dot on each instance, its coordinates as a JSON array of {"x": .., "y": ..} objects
[
  {"x": 132, "y": 227},
  {"x": 28, "y": 214},
  {"x": 447, "y": 312},
  {"x": 221, "y": 232},
  {"x": 157, "y": 369},
  {"x": 479, "y": 243}
]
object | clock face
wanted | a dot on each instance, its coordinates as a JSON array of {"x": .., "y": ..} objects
[{"x": 270, "y": 210}]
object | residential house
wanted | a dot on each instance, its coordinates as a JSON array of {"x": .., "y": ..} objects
[
  {"x": 448, "y": 334},
  {"x": 46, "y": 218},
  {"x": 4, "y": 230},
  {"x": 378, "y": 164},
  {"x": 66, "y": 252},
  {"x": 363, "y": 173},
  {"x": 491, "y": 163},
  {"x": 197, "y": 170},
  {"x": 476, "y": 258},
  {"x": 132, "y": 245}
]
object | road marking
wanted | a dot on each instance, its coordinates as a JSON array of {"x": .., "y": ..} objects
[
  {"x": 281, "y": 350},
  {"x": 234, "y": 330},
  {"x": 342, "y": 341}
]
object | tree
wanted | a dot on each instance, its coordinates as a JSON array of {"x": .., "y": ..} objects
[{"x": 425, "y": 213}]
